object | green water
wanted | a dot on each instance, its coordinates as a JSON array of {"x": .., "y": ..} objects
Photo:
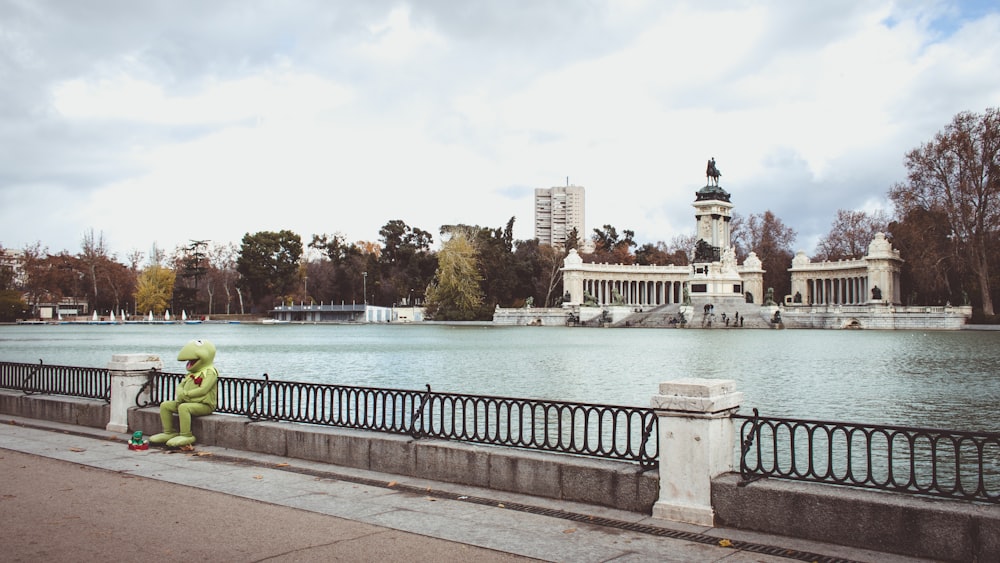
[{"x": 936, "y": 379}]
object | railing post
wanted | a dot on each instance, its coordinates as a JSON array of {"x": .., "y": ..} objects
[
  {"x": 128, "y": 373},
  {"x": 696, "y": 445}
]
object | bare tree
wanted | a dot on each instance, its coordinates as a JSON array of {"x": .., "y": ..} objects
[
  {"x": 551, "y": 260},
  {"x": 958, "y": 174},
  {"x": 682, "y": 248},
  {"x": 222, "y": 273},
  {"x": 94, "y": 252},
  {"x": 850, "y": 234},
  {"x": 765, "y": 234}
]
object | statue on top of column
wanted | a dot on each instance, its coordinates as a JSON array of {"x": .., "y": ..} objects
[{"x": 712, "y": 173}]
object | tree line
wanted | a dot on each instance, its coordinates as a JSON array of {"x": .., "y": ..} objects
[{"x": 946, "y": 225}]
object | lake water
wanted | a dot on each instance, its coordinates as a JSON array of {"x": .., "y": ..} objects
[{"x": 934, "y": 379}]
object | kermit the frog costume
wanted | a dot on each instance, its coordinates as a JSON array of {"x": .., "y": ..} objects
[{"x": 197, "y": 394}]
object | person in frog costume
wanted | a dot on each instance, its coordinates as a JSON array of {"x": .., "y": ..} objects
[{"x": 197, "y": 394}]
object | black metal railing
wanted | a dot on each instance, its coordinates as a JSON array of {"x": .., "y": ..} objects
[
  {"x": 73, "y": 381},
  {"x": 602, "y": 431},
  {"x": 923, "y": 461}
]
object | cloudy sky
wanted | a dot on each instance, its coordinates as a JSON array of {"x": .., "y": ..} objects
[{"x": 158, "y": 122}]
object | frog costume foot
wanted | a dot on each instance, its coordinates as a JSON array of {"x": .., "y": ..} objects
[
  {"x": 162, "y": 437},
  {"x": 180, "y": 440}
]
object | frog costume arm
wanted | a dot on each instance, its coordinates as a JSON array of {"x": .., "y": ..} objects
[{"x": 197, "y": 394}]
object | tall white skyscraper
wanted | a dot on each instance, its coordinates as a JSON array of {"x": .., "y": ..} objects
[{"x": 558, "y": 211}]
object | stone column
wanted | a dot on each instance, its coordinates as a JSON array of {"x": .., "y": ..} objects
[
  {"x": 128, "y": 374},
  {"x": 696, "y": 445}
]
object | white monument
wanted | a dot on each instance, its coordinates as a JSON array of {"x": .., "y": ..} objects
[{"x": 715, "y": 278}]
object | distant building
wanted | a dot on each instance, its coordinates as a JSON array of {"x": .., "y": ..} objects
[
  {"x": 13, "y": 259},
  {"x": 558, "y": 211}
]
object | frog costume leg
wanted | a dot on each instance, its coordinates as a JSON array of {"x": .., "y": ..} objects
[
  {"x": 184, "y": 413},
  {"x": 167, "y": 410}
]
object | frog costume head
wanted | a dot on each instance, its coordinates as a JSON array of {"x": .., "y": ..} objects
[{"x": 199, "y": 354}]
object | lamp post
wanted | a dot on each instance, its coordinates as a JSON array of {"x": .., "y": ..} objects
[{"x": 364, "y": 277}]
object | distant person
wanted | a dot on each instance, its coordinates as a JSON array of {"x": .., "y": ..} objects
[{"x": 197, "y": 395}]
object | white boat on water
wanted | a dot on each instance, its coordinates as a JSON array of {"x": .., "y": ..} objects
[{"x": 187, "y": 321}]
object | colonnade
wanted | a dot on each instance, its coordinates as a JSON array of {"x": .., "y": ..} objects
[
  {"x": 852, "y": 290},
  {"x": 848, "y": 282},
  {"x": 645, "y": 293}
]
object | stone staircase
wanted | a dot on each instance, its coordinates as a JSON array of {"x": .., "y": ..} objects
[{"x": 668, "y": 316}]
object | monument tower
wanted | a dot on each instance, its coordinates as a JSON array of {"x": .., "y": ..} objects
[{"x": 715, "y": 277}]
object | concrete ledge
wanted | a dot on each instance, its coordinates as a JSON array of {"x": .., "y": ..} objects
[
  {"x": 600, "y": 482},
  {"x": 93, "y": 413},
  {"x": 889, "y": 522}
]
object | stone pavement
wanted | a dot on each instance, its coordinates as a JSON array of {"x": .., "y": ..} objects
[{"x": 70, "y": 493}]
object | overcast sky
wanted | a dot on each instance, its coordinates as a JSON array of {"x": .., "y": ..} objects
[{"x": 158, "y": 122}]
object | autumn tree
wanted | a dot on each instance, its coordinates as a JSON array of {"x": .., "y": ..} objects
[
  {"x": 957, "y": 174},
  {"x": 119, "y": 282},
  {"x": 105, "y": 282},
  {"x": 31, "y": 269},
  {"x": 154, "y": 289},
  {"x": 51, "y": 277},
  {"x": 766, "y": 235},
  {"x": 455, "y": 293},
  {"x": 850, "y": 234}
]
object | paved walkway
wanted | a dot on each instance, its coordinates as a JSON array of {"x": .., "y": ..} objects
[{"x": 69, "y": 493}]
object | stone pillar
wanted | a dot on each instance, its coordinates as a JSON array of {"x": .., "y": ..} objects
[
  {"x": 128, "y": 374},
  {"x": 696, "y": 445}
]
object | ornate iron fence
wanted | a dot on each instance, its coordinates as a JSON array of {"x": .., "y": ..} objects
[
  {"x": 602, "y": 431},
  {"x": 74, "y": 381},
  {"x": 924, "y": 461}
]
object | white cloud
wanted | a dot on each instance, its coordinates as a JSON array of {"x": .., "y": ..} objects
[
  {"x": 214, "y": 123},
  {"x": 278, "y": 94},
  {"x": 396, "y": 40}
]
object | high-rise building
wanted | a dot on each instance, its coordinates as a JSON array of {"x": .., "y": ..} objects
[{"x": 558, "y": 211}]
